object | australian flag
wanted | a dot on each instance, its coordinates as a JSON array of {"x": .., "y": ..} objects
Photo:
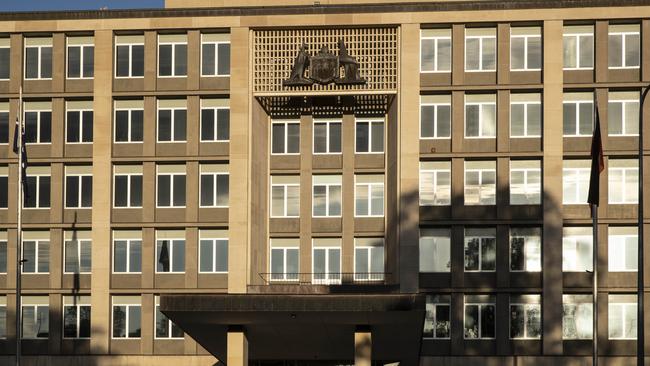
[{"x": 23, "y": 153}]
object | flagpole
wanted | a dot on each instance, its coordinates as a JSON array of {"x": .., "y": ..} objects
[
  {"x": 640, "y": 347},
  {"x": 19, "y": 236},
  {"x": 594, "y": 216}
]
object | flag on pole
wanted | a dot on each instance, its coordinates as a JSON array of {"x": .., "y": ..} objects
[
  {"x": 23, "y": 153},
  {"x": 163, "y": 257},
  {"x": 597, "y": 162}
]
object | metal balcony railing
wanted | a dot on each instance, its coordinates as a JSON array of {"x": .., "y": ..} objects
[{"x": 328, "y": 279}]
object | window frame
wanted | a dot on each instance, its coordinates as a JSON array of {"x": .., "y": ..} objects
[
  {"x": 357, "y": 274},
  {"x": 173, "y": 45},
  {"x": 172, "y": 242},
  {"x": 130, "y": 45},
  {"x": 480, "y": 53},
  {"x": 129, "y": 242},
  {"x": 526, "y": 185},
  {"x": 126, "y": 320},
  {"x": 65, "y": 249},
  {"x": 481, "y": 105},
  {"x": 624, "y": 35},
  {"x": 37, "y": 245},
  {"x": 130, "y": 114},
  {"x": 78, "y": 176},
  {"x": 369, "y": 189},
  {"x": 624, "y": 171},
  {"x": 23, "y": 305},
  {"x": 128, "y": 191},
  {"x": 573, "y": 240},
  {"x": 38, "y": 112},
  {"x": 573, "y": 174},
  {"x": 624, "y": 106},
  {"x": 328, "y": 123},
  {"x": 82, "y": 122},
  {"x": 215, "y": 190},
  {"x": 172, "y": 124},
  {"x": 286, "y": 276},
  {"x": 2, "y": 46},
  {"x": 170, "y": 324},
  {"x": 480, "y": 306},
  {"x": 623, "y": 308},
  {"x": 435, "y": 173},
  {"x": 466, "y": 240},
  {"x": 370, "y": 122},
  {"x": 436, "y": 40},
  {"x": 286, "y": 124},
  {"x": 328, "y": 280},
  {"x": 82, "y": 46},
  {"x": 171, "y": 188},
  {"x": 216, "y": 124},
  {"x": 480, "y": 172},
  {"x": 436, "y": 105},
  {"x": 216, "y": 57},
  {"x": 577, "y": 118},
  {"x": 285, "y": 201},
  {"x": 213, "y": 241},
  {"x": 38, "y": 191},
  {"x": 577, "y": 36},
  {"x": 327, "y": 198},
  {"x": 526, "y": 238},
  {"x": 526, "y": 308},
  {"x": 40, "y": 60},
  {"x": 435, "y": 306},
  {"x": 611, "y": 250},
  {"x": 526, "y": 50},
  {"x": 78, "y": 318},
  {"x": 526, "y": 123}
]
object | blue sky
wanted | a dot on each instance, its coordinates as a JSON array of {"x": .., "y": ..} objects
[{"x": 36, "y": 5}]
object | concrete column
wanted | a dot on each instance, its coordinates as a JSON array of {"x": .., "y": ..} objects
[
  {"x": 362, "y": 348},
  {"x": 237, "y": 348}
]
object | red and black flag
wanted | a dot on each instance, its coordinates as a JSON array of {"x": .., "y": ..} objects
[{"x": 597, "y": 162}]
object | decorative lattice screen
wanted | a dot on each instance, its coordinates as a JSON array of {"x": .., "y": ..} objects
[{"x": 274, "y": 52}]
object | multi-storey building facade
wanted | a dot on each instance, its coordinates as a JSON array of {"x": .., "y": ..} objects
[{"x": 430, "y": 211}]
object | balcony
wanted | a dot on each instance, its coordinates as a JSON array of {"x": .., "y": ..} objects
[{"x": 332, "y": 282}]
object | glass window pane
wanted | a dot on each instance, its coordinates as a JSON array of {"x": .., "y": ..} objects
[
  {"x": 121, "y": 126},
  {"x": 136, "y": 191},
  {"x": 534, "y": 119},
  {"x": 207, "y": 59},
  {"x": 443, "y": 121},
  {"x": 5, "y": 65},
  {"x": 4, "y": 124},
  {"x": 164, "y": 125},
  {"x": 164, "y": 190},
  {"x": 632, "y": 50},
  {"x": 136, "y": 125},
  {"x": 615, "y": 47},
  {"x": 586, "y": 118},
  {"x": 517, "y": 321},
  {"x": 335, "y": 201},
  {"x": 221, "y": 261},
  {"x": 377, "y": 137},
  {"x": 44, "y": 192},
  {"x": 472, "y": 52},
  {"x": 471, "y": 321},
  {"x": 207, "y": 189},
  {"x": 119, "y": 321},
  {"x": 223, "y": 65},
  {"x": 443, "y": 57},
  {"x": 335, "y": 138},
  {"x": 472, "y": 120},
  {"x": 320, "y": 137},
  {"x": 135, "y": 256},
  {"x": 134, "y": 321},
  {"x": 180, "y": 60},
  {"x": 73, "y": 127},
  {"x": 534, "y": 53},
  {"x": 278, "y": 138},
  {"x": 178, "y": 256},
  {"x": 223, "y": 124},
  {"x": 427, "y": 121},
  {"x": 207, "y": 124},
  {"x": 72, "y": 191},
  {"x": 137, "y": 61},
  {"x": 180, "y": 118},
  {"x": 361, "y": 261},
  {"x": 119, "y": 256},
  {"x": 74, "y": 62},
  {"x": 223, "y": 182},
  {"x": 489, "y": 54},
  {"x": 87, "y": 128},
  {"x": 46, "y": 62},
  {"x": 517, "y": 120},
  {"x": 427, "y": 53},
  {"x": 206, "y": 256},
  {"x": 569, "y": 51},
  {"x": 31, "y": 62},
  {"x": 179, "y": 190},
  {"x": 586, "y": 51},
  {"x": 569, "y": 118},
  {"x": 487, "y": 321},
  {"x": 362, "y": 137},
  {"x": 293, "y": 138},
  {"x": 71, "y": 257},
  {"x": 165, "y": 60},
  {"x": 89, "y": 61},
  {"x": 517, "y": 53},
  {"x": 122, "y": 67},
  {"x": 70, "y": 321}
]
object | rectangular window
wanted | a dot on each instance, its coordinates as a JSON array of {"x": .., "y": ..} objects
[
  {"x": 575, "y": 181},
  {"x": 81, "y": 57},
  {"x": 4, "y": 187},
  {"x": 76, "y": 316},
  {"x": 79, "y": 122},
  {"x": 326, "y": 261},
  {"x": 5, "y": 58},
  {"x": 284, "y": 258},
  {"x": 435, "y": 116},
  {"x": 4, "y": 118},
  {"x": 172, "y": 55},
  {"x": 479, "y": 317},
  {"x": 435, "y": 183},
  {"x": 326, "y": 196},
  {"x": 525, "y": 317},
  {"x": 285, "y": 196},
  {"x": 480, "y": 116},
  {"x": 623, "y": 249},
  {"x": 129, "y": 56},
  {"x": 172, "y": 120},
  {"x": 577, "y": 249},
  {"x": 170, "y": 251},
  {"x": 480, "y": 49},
  {"x": 3, "y": 317},
  {"x": 623, "y": 113},
  {"x": 435, "y": 250},
  {"x": 127, "y": 252},
  {"x": 437, "y": 319},
  {"x": 35, "y": 317},
  {"x": 38, "y": 58},
  {"x": 624, "y": 43},
  {"x": 369, "y": 136},
  {"x": 3, "y": 252},
  {"x": 129, "y": 120},
  {"x": 327, "y": 136},
  {"x": 578, "y": 45},
  {"x": 215, "y": 54},
  {"x": 369, "y": 195},
  {"x": 622, "y": 316},
  {"x": 525, "y": 249},
  {"x": 480, "y": 182},
  {"x": 285, "y": 137},
  {"x": 480, "y": 250},
  {"x": 525, "y": 49},
  {"x": 36, "y": 252},
  {"x": 38, "y": 188},
  {"x": 369, "y": 259},
  {"x": 171, "y": 186},
  {"x": 578, "y": 114},
  {"x": 525, "y": 115},
  {"x": 78, "y": 186},
  {"x": 127, "y": 186},
  {"x": 213, "y": 251},
  {"x": 77, "y": 252},
  {"x": 435, "y": 50},
  {"x": 165, "y": 328},
  {"x": 215, "y": 120},
  {"x": 623, "y": 177},
  {"x": 214, "y": 185},
  {"x": 525, "y": 182},
  {"x": 38, "y": 122},
  {"x": 127, "y": 315},
  {"x": 577, "y": 316}
]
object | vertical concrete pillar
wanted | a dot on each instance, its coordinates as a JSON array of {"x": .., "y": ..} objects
[
  {"x": 237, "y": 348},
  {"x": 362, "y": 348}
]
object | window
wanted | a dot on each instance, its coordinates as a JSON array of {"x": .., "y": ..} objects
[
  {"x": 165, "y": 328},
  {"x": 36, "y": 252},
  {"x": 369, "y": 195},
  {"x": 621, "y": 317},
  {"x": 369, "y": 136},
  {"x": 479, "y": 319},
  {"x": 525, "y": 250},
  {"x": 575, "y": 181},
  {"x": 326, "y": 261},
  {"x": 78, "y": 252},
  {"x": 480, "y": 250},
  {"x": 435, "y": 183},
  {"x": 171, "y": 186},
  {"x": 435, "y": 250},
  {"x": 129, "y": 119},
  {"x": 128, "y": 186},
  {"x": 480, "y": 116},
  {"x": 368, "y": 259},
  {"x": 525, "y": 115},
  {"x": 577, "y": 249},
  {"x": 126, "y": 317},
  {"x": 3, "y": 317},
  {"x": 81, "y": 57},
  {"x": 437, "y": 319},
  {"x": 213, "y": 251},
  {"x": 127, "y": 252},
  {"x": 129, "y": 56},
  {"x": 79, "y": 122},
  {"x": 3, "y": 252},
  {"x": 76, "y": 316},
  {"x": 215, "y": 120},
  {"x": 285, "y": 195},
  {"x": 326, "y": 196},
  {"x": 38, "y": 187},
  {"x": 525, "y": 317},
  {"x": 525, "y": 49},
  {"x": 525, "y": 182},
  {"x": 577, "y": 317},
  {"x": 623, "y": 114},
  {"x": 4, "y": 187},
  {"x": 480, "y": 182},
  {"x": 578, "y": 114},
  {"x": 35, "y": 317},
  {"x": 5, "y": 58},
  {"x": 435, "y": 116},
  {"x": 214, "y": 185},
  {"x": 172, "y": 55},
  {"x": 215, "y": 54},
  {"x": 285, "y": 137},
  {"x": 38, "y": 58},
  {"x": 285, "y": 259},
  {"x": 435, "y": 48},
  {"x": 78, "y": 186},
  {"x": 327, "y": 136},
  {"x": 170, "y": 251},
  {"x": 4, "y": 117},
  {"x": 38, "y": 122},
  {"x": 578, "y": 47},
  {"x": 623, "y": 247},
  {"x": 623, "y": 176},
  {"x": 624, "y": 46},
  {"x": 480, "y": 49},
  {"x": 172, "y": 120}
]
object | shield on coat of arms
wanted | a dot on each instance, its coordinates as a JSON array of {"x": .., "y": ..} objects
[{"x": 324, "y": 67}]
